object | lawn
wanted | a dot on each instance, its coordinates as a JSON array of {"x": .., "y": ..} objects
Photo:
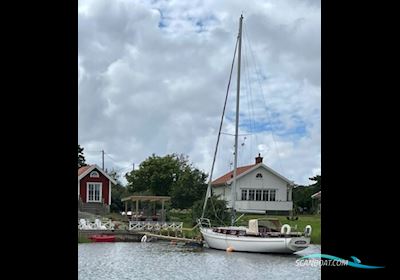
[
  {"x": 83, "y": 239},
  {"x": 313, "y": 220},
  {"x": 186, "y": 218}
]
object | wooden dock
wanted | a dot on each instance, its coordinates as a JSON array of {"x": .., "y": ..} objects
[
  {"x": 173, "y": 238},
  {"x": 136, "y": 236},
  {"x": 120, "y": 235}
]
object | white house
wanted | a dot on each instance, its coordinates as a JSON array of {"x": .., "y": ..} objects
[{"x": 259, "y": 189}]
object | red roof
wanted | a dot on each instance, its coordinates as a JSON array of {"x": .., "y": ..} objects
[
  {"x": 225, "y": 178},
  {"x": 83, "y": 169}
]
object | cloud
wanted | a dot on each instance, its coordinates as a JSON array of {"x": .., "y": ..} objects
[{"x": 152, "y": 78}]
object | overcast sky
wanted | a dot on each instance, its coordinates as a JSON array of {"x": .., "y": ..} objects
[{"x": 153, "y": 77}]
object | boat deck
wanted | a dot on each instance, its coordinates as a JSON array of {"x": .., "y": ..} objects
[{"x": 242, "y": 232}]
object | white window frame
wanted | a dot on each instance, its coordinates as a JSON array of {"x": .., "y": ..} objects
[
  {"x": 270, "y": 194},
  {"x": 255, "y": 195},
  {"x": 265, "y": 193},
  {"x": 100, "y": 194},
  {"x": 94, "y": 174},
  {"x": 246, "y": 190}
]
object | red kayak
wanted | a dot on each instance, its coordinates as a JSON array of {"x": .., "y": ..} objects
[{"x": 102, "y": 238}]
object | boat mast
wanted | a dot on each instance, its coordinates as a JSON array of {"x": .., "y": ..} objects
[{"x": 233, "y": 190}]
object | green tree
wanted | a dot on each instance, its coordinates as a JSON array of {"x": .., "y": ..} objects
[
  {"x": 171, "y": 175},
  {"x": 118, "y": 191},
  {"x": 302, "y": 194},
  {"x": 317, "y": 184},
  {"x": 81, "y": 157},
  {"x": 216, "y": 211},
  {"x": 189, "y": 187}
]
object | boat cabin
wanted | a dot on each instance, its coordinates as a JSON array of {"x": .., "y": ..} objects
[{"x": 257, "y": 228}]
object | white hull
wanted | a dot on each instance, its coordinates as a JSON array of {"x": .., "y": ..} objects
[{"x": 223, "y": 241}]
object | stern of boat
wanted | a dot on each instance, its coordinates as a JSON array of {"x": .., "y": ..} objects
[{"x": 299, "y": 243}]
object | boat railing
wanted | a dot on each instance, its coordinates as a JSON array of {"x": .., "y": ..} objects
[
  {"x": 204, "y": 222},
  {"x": 155, "y": 226}
]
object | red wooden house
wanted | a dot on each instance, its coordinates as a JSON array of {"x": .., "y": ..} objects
[{"x": 94, "y": 189}]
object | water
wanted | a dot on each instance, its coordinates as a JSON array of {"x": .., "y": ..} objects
[{"x": 161, "y": 260}]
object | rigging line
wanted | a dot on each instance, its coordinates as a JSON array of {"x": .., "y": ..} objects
[
  {"x": 89, "y": 151},
  {"x": 252, "y": 103},
  {"x": 252, "y": 114},
  {"x": 230, "y": 134},
  {"x": 258, "y": 72},
  {"x": 125, "y": 167},
  {"x": 253, "y": 100},
  {"x": 111, "y": 158},
  {"x": 215, "y": 212},
  {"x": 246, "y": 84},
  {"x": 220, "y": 128},
  {"x": 248, "y": 95},
  {"x": 246, "y": 75}
]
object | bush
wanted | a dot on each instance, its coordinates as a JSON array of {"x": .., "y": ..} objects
[{"x": 216, "y": 211}]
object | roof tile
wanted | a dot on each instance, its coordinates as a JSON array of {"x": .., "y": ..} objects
[{"x": 225, "y": 178}]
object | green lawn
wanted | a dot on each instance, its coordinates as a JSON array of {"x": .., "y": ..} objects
[
  {"x": 302, "y": 222},
  {"x": 83, "y": 239},
  {"x": 313, "y": 220}
]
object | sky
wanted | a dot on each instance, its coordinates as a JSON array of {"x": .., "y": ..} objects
[{"x": 152, "y": 78}]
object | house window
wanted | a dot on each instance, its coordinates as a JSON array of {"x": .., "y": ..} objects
[
  {"x": 94, "y": 192},
  {"x": 244, "y": 194},
  {"x": 265, "y": 195},
  {"x": 258, "y": 194},
  {"x": 251, "y": 194},
  {"x": 259, "y": 176},
  {"x": 94, "y": 174},
  {"x": 272, "y": 195}
]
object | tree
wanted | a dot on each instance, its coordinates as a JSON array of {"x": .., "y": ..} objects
[
  {"x": 302, "y": 194},
  {"x": 118, "y": 191},
  {"x": 81, "y": 157},
  {"x": 171, "y": 175},
  {"x": 216, "y": 211},
  {"x": 317, "y": 184},
  {"x": 188, "y": 188}
]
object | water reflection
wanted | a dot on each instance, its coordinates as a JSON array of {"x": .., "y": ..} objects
[{"x": 165, "y": 261}]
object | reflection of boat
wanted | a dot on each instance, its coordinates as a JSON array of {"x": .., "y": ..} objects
[
  {"x": 262, "y": 236},
  {"x": 102, "y": 238}
]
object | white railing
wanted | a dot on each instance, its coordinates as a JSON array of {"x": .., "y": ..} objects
[
  {"x": 204, "y": 222},
  {"x": 155, "y": 226},
  {"x": 84, "y": 224}
]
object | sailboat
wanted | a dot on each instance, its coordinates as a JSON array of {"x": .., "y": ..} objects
[{"x": 261, "y": 235}]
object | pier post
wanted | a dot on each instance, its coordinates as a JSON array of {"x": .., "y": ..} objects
[
  {"x": 162, "y": 211},
  {"x": 137, "y": 210}
]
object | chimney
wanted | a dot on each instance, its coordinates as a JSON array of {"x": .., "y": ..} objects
[{"x": 259, "y": 159}]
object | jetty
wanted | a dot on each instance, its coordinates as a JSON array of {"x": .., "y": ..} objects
[{"x": 136, "y": 230}]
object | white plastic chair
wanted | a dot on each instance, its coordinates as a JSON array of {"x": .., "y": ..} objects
[{"x": 83, "y": 224}]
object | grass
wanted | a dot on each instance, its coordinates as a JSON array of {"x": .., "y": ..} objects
[
  {"x": 180, "y": 217},
  {"x": 186, "y": 218},
  {"x": 313, "y": 220},
  {"x": 116, "y": 217},
  {"x": 82, "y": 238}
]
